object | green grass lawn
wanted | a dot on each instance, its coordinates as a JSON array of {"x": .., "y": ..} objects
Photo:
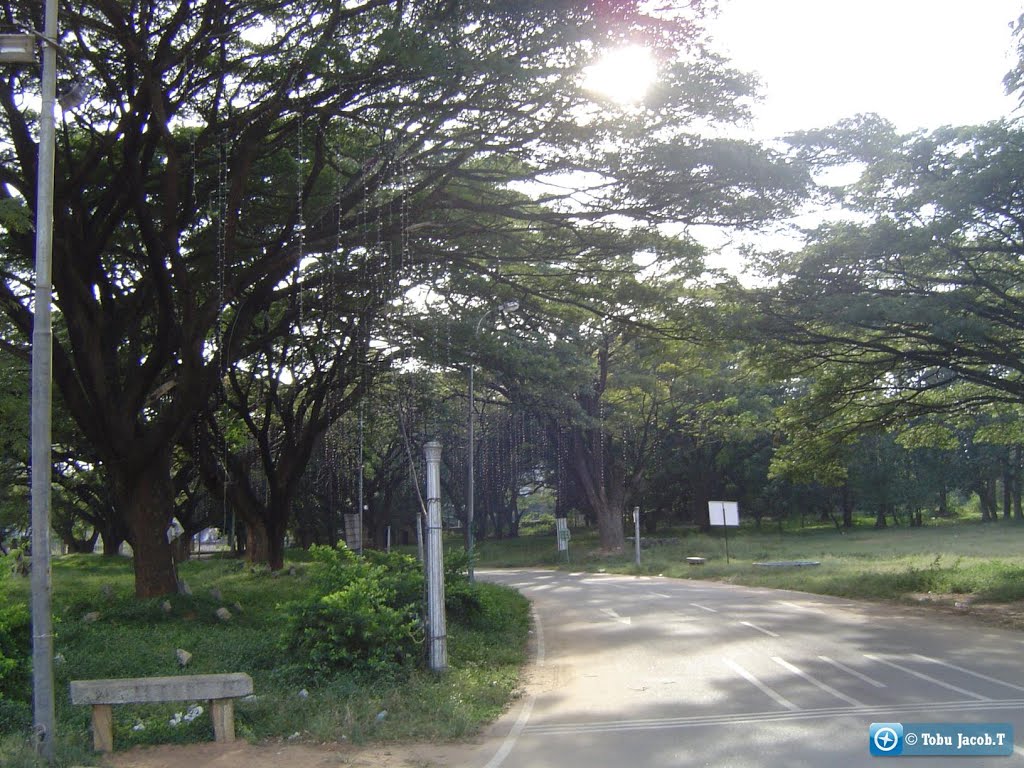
[
  {"x": 140, "y": 638},
  {"x": 984, "y": 560}
]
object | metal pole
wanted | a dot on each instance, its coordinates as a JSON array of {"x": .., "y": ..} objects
[
  {"x": 360, "y": 478},
  {"x": 726, "y": 528},
  {"x": 41, "y": 405},
  {"x": 470, "y": 483},
  {"x": 636, "y": 534},
  {"x": 438, "y": 636}
]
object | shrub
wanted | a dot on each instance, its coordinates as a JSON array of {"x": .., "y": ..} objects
[
  {"x": 15, "y": 669},
  {"x": 364, "y": 615},
  {"x": 542, "y": 524},
  {"x": 461, "y": 597}
]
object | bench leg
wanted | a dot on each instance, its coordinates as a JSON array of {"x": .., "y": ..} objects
[
  {"x": 223, "y": 711},
  {"x": 102, "y": 728}
]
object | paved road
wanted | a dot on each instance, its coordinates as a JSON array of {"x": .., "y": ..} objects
[{"x": 651, "y": 672}]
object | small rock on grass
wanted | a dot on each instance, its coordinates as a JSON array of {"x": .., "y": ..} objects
[{"x": 223, "y": 614}]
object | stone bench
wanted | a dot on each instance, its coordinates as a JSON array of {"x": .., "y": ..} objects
[{"x": 220, "y": 690}]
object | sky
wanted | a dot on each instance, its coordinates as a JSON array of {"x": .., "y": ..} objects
[{"x": 919, "y": 63}]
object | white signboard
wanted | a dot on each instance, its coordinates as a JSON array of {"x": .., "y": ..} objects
[
  {"x": 353, "y": 533},
  {"x": 724, "y": 512},
  {"x": 562, "y": 529}
]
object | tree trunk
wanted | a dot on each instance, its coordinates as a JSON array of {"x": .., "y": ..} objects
[
  {"x": 112, "y": 545},
  {"x": 847, "y": 500},
  {"x": 880, "y": 521},
  {"x": 82, "y": 546},
  {"x": 986, "y": 490},
  {"x": 1018, "y": 513},
  {"x": 609, "y": 526},
  {"x": 1007, "y": 492},
  {"x": 145, "y": 493},
  {"x": 181, "y": 548},
  {"x": 264, "y": 544}
]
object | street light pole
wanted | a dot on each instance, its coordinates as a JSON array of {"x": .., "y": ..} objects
[
  {"x": 41, "y": 405},
  {"x": 508, "y": 306}
]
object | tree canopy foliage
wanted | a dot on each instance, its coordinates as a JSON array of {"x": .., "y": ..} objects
[{"x": 271, "y": 216}]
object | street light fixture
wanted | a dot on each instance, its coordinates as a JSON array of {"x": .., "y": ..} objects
[
  {"x": 508, "y": 306},
  {"x": 17, "y": 49}
]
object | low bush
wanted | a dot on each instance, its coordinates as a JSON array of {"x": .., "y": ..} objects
[
  {"x": 364, "y": 615},
  {"x": 462, "y": 600},
  {"x": 135, "y": 637},
  {"x": 15, "y": 670}
]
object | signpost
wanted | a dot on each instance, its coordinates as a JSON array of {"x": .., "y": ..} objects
[
  {"x": 724, "y": 513},
  {"x": 636, "y": 534},
  {"x": 563, "y": 535}
]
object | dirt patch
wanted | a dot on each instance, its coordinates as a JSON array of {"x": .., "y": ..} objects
[
  {"x": 292, "y": 755},
  {"x": 1008, "y": 615}
]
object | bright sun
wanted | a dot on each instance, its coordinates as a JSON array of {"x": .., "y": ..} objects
[{"x": 622, "y": 75}]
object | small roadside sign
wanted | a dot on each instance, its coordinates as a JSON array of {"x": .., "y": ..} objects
[
  {"x": 562, "y": 535},
  {"x": 726, "y": 514}
]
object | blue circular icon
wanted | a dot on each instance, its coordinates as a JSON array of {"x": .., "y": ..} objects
[{"x": 886, "y": 739}]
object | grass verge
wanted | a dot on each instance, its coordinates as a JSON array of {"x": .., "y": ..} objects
[
  {"x": 983, "y": 562},
  {"x": 140, "y": 638}
]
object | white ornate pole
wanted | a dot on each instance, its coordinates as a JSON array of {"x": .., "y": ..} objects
[{"x": 436, "y": 625}]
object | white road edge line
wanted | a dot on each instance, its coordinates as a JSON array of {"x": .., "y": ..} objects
[
  {"x": 887, "y": 710},
  {"x": 524, "y": 714},
  {"x": 816, "y": 682},
  {"x": 778, "y": 698},
  {"x": 510, "y": 741},
  {"x": 612, "y": 614},
  {"x": 760, "y": 629},
  {"x": 978, "y": 675},
  {"x": 703, "y": 607},
  {"x": 799, "y": 607},
  {"x": 928, "y": 678},
  {"x": 1019, "y": 750},
  {"x": 851, "y": 671}
]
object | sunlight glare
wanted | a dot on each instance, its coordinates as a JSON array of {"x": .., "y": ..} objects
[{"x": 622, "y": 75}]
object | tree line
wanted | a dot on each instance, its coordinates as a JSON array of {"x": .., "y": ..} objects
[{"x": 279, "y": 227}]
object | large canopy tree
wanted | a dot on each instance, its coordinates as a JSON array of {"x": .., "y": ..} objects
[
  {"x": 174, "y": 225},
  {"x": 915, "y": 307}
]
